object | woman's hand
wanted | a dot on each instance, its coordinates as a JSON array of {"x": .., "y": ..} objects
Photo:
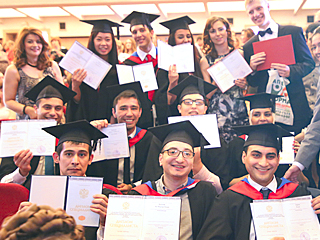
[
  {"x": 173, "y": 76},
  {"x": 77, "y": 78},
  {"x": 241, "y": 83}
]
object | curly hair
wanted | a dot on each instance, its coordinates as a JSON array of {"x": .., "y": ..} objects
[
  {"x": 208, "y": 45},
  {"x": 41, "y": 222},
  {"x": 196, "y": 55},
  {"x": 112, "y": 55},
  {"x": 20, "y": 57}
]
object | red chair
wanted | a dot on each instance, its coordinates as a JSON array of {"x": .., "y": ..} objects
[{"x": 11, "y": 195}]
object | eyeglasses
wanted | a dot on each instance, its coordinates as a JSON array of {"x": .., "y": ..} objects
[
  {"x": 189, "y": 102},
  {"x": 172, "y": 152}
]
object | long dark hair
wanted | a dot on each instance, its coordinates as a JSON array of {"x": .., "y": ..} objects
[
  {"x": 196, "y": 56},
  {"x": 112, "y": 55},
  {"x": 208, "y": 45}
]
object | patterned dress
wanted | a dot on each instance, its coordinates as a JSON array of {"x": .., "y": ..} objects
[
  {"x": 25, "y": 84},
  {"x": 229, "y": 109}
]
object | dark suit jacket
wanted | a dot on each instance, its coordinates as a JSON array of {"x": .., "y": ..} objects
[{"x": 304, "y": 65}]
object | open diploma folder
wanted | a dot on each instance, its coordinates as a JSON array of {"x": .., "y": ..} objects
[
  {"x": 115, "y": 146},
  {"x": 278, "y": 50},
  {"x": 133, "y": 217},
  {"x": 71, "y": 193},
  {"x": 144, "y": 73},
  {"x": 26, "y": 134},
  {"x": 291, "y": 218},
  {"x": 227, "y": 70},
  {"x": 181, "y": 55},
  {"x": 78, "y": 56}
]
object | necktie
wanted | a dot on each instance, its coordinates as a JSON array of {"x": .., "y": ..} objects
[
  {"x": 126, "y": 169},
  {"x": 265, "y": 193},
  {"x": 149, "y": 58},
  {"x": 262, "y": 33}
]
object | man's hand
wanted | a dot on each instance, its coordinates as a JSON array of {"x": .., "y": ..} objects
[
  {"x": 292, "y": 173},
  {"x": 296, "y": 146},
  {"x": 24, "y": 206},
  {"x": 124, "y": 188},
  {"x": 283, "y": 70},
  {"x": 100, "y": 123},
  {"x": 315, "y": 203},
  {"x": 99, "y": 206},
  {"x": 257, "y": 59},
  {"x": 22, "y": 160}
]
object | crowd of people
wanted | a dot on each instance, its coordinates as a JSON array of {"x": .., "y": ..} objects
[{"x": 216, "y": 185}]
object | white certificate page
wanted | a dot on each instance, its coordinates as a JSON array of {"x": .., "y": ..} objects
[
  {"x": 206, "y": 124},
  {"x": 26, "y": 134},
  {"x": 287, "y": 153},
  {"x": 79, "y": 199},
  {"x": 144, "y": 73},
  {"x": 142, "y": 217},
  {"x": 125, "y": 74},
  {"x": 115, "y": 146}
]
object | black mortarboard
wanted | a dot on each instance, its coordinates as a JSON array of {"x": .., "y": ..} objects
[
  {"x": 181, "y": 132},
  {"x": 50, "y": 88},
  {"x": 192, "y": 85},
  {"x": 261, "y": 100},
  {"x": 178, "y": 23},
  {"x": 137, "y": 18},
  {"x": 114, "y": 91},
  {"x": 79, "y": 131},
  {"x": 267, "y": 135},
  {"x": 102, "y": 25}
]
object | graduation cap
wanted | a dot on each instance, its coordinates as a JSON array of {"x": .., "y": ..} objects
[
  {"x": 102, "y": 25},
  {"x": 192, "y": 85},
  {"x": 267, "y": 135},
  {"x": 50, "y": 88},
  {"x": 79, "y": 131},
  {"x": 261, "y": 100},
  {"x": 178, "y": 23},
  {"x": 137, "y": 18},
  {"x": 181, "y": 132},
  {"x": 114, "y": 91}
]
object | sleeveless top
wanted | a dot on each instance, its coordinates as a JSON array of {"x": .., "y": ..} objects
[
  {"x": 229, "y": 109},
  {"x": 25, "y": 84}
]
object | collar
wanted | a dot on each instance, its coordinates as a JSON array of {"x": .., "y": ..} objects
[
  {"x": 142, "y": 55},
  {"x": 272, "y": 185},
  {"x": 133, "y": 133},
  {"x": 161, "y": 188},
  {"x": 274, "y": 28}
]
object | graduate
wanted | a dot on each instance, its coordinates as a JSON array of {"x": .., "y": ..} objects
[
  {"x": 230, "y": 217},
  {"x": 166, "y": 102},
  {"x": 91, "y": 104},
  {"x": 129, "y": 103},
  {"x": 49, "y": 96},
  {"x": 176, "y": 158}
]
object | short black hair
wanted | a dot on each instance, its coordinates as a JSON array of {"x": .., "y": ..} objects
[
  {"x": 60, "y": 147},
  {"x": 126, "y": 94},
  {"x": 245, "y": 149}
]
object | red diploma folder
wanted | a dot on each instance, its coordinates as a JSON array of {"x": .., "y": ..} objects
[{"x": 278, "y": 50}]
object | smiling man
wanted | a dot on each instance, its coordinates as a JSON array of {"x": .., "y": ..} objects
[
  {"x": 259, "y": 13},
  {"x": 49, "y": 97},
  {"x": 230, "y": 217}
]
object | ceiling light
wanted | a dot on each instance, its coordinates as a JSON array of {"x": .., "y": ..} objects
[{"x": 80, "y": 11}]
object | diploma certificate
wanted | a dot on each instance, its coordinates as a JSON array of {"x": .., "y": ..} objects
[
  {"x": 26, "y": 134},
  {"x": 227, "y": 70},
  {"x": 134, "y": 217},
  {"x": 287, "y": 153},
  {"x": 79, "y": 56}
]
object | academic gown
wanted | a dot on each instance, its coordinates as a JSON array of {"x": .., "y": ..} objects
[
  {"x": 94, "y": 104},
  {"x": 199, "y": 206},
  {"x": 296, "y": 91},
  {"x": 146, "y": 119},
  {"x": 108, "y": 169},
  {"x": 215, "y": 159},
  {"x": 7, "y": 166},
  {"x": 230, "y": 217}
]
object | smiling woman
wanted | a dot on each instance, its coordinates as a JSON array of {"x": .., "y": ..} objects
[{"x": 31, "y": 64}]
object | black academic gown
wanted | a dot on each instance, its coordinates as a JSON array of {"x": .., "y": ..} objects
[
  {"x": 199, "y": 206},
  {"x": 230, "y": 216},
  {"x": 108, "y": 169},
  {"x": 94, "y": 104},
  {"x": 296, "y": 91},
  {"x": 7, "y": 166}
]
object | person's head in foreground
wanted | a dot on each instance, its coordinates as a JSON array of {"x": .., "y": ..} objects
[
  {"x": 50, "y": 96},
  {"x": 261, "y": 151},
  {"x": 41, "y": 222},
  {"x": 192, "y": 93},
  {"x": 262, "y": 108},
  {"x": 315, "y": 44},
  {"x": 140, "y": 28},
  {"x": 74, "y": 150},
  {"x": 177, "y": 153}
]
